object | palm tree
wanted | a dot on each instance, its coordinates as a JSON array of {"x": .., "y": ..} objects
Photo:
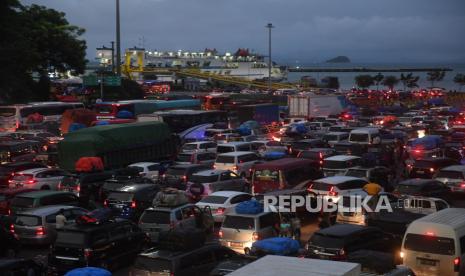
[
  {"x": 434, "y": 76},
  {"x": 390, "y": 82},
  {"x": 460, "y": 80},
  {"x": 377, "y": 80},
  {"x": 413, "y": 82},
  {"x": 364, "y": 81}
]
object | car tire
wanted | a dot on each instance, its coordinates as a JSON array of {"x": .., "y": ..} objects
[{"x": 45, "y": 187}]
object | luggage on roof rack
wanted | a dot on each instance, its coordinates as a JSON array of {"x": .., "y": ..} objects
[
  {"x": 276, "y": 246},
  {"x": 97, "y": 216},
  {"x": 170, "y": 197},
  {"x": 250, "y": 207}
]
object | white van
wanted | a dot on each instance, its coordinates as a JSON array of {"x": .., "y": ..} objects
[
  {"x": 234, "y": 146},
  {"x": 364, "y": 136},
  {"x": 340, "y": 164},
  {"x": 434, "y": 244},
  {"x": 239, "y": 162}
]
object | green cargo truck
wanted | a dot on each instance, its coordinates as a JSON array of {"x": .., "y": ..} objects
[{"x": 118, "y": 145}]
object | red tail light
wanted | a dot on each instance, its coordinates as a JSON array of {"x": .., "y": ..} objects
[
  {"x": 332, "y": 192},
  {"x": 309, "y": 189},
  {"x": 12, "y": 228},
  {"x": 220, "y": 210},
  {"x": 78, "y": 188},
  {"x": 32, "y": 181},
  {"x": 133, "y": 204},
  {"x": 457, "y": 264},
  {"x": 255, "y": 236},
  {"x": 40, "y": 231},
  {"x": 105, "y": 203},
  {"x": 431, "y": 169},
  {"x": 235, "y": 168},
  {"x": 60, "y": 186},
  {"x": 184, "y": 178},
  {"x": 321, "y": 156},
  {"x": 88, "y": 253},
  {"x": 220, "y": 234}
]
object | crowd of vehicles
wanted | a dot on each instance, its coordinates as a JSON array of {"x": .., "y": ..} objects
[{"x": 140, "y": 194}]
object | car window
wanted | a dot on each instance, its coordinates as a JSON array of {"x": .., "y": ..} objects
[
  {"x": 240, "y": 198},
  {"x": 203, "y": 146},
  {"x": 440, "y": 205},
  {"x": 243, "y": 148},
  {"x": 225, "y": 176},
  {"x": 153, "y": 167}
]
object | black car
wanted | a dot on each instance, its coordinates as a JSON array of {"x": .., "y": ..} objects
[
  {"x": 422, "y": 187},
  {"x": 106, "y": 244},
  {"x": 87, "y": 185},
  {"x": 130, "y": 201},
  {"x": 197, "y": 262},
  {"x": 306, "y": 144},
  {"x": 10, "y": 242},
  {"x": 177, "y": 176},
  {"x": 20, "y": 267},
  {"x": 338, "y": 241},
  {"x": 116, "y": 183},
  {"x": 7, "y": 170},
  {"x": 428, "y": 167}
]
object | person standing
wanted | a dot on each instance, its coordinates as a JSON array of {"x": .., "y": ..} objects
[{"x": 60, "y": 219}]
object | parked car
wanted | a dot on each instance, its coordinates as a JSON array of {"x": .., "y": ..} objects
[
  {"x": 107, "y": 245},
  {"x": 6, "y": 195},
  {"x": 428, "y": 167},
  {"x": 85, "y": 185},
  {"x": 204, "y": 183},
  {"x": 306, "y": 144},
  {"x": 205, "y": 158},
  {"x": 233, "y": 147},
  {"x": 376, "y": 174},
  {"x": 40, "y": 178},
  {"x": 20, "y": 266},
  {"x": 163, "y": 218},
  {"x": 27, "y": 201},
  {"x": 266, "y": 146},
  {"x": 453, "y": 177},
  {"x": 130, "y": 201},
  {"x": 422, "y": 187},
  {"x": 317, "y": 154},
  {"x": 239, "y": 231},
  {"x": 151, "y": 169},
  {"x": 222, "y": 203},
  {"x": 196, "y": 262},
  {"x": 334, "y": 137},
  {"x": 423, "y": 205},
  {"x": 38, "y": 226},
  {"x": 239, "y": 162},
  {"x": 338, "y": 241},
  {"x": 199, "y": 147},
  {"x": 339, "y": 164},
  {"x": 177, "y": 176},
  {"x": 334, "y": 187},
  {"x": 10, "y": 242},
  {"x": 7, "y": 170}
]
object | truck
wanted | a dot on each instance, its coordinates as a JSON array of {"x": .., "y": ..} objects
[
  {"x": 118, "y": 145},
  {"x": 264, "y": 114},
  {"x": 271, "y": 265},
  {"x": 308, "y": 106}
]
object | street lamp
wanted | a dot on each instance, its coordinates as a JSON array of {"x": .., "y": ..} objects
[
  {"x": 118, "y": 42},
  {"x": 269, "y": 26}
]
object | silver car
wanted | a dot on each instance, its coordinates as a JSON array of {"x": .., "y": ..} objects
[
  {"x": 453, "y": 177},
  {"x": 38, "y": 226}
]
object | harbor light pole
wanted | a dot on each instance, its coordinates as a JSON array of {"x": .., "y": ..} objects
[
  {"x": 269, "y": 26},
  {"x": 118, "y": 42}
]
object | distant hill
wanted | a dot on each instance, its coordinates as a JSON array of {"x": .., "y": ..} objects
[{"x": 339, "y": 59}]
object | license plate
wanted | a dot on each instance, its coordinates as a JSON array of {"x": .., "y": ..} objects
[
  {"x": 428, "y": 262},
  {"x": 236, "y": 244}
]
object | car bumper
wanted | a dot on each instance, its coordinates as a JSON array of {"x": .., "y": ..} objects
[
  {"x": 42, "y": 240},
  {"x": 239, "y": 247}
]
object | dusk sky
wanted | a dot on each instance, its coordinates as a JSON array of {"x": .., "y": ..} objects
[{"x": 420, "y": 31}]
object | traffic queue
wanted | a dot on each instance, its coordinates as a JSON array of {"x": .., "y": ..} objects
[{"x": 138, "y": 195}]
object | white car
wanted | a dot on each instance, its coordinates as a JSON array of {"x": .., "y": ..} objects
[
  {"x": 147, "y": 169},
  {"x": 239, "y": 162},
  {"x": 265, "y": 146},
  {"x": 335, "y": 187},
  {"x": 339, "y": 164},
  {"x": 222, "y": 203},
  {"x": 40, "y": 178},
  {"x": 199, "y": 147}
]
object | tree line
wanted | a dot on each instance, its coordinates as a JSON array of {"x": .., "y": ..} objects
[{"x": 408, "y": 80}]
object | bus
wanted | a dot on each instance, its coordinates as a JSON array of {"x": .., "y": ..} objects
[
  {"x": 216, "y": 101},
  {"x": 110, "y": 110},
  {"x": 23, "y": 116},
  {"x": 180, "y": 120}
]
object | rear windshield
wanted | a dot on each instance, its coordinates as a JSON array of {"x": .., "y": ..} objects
[
  {"x": 423, "y": 164},
  {"x": 320, "y": 186},
  {"x": 450, "y": 174},
  {"x": 333, "y": 164},
  {"x": 301, "y": 145},
  {"x": 356, "y": 173},
  {"x": 359, "y": 137},
  {"x": 203, "y": 178},
  {"x": 429, "y": 244},
  {"x": 184, "y": 157},
  {"x": 152, "y": 264},
  {"x": 326, "y": 241},
  {"x": 175, "y": 171},
  {"x": 237, "y": 222},
  {"x": 331, "y": 137},
  {"x": 224, "y": 149},
  {"x": 225, "y": 159},
  {"x": 314, "y": 155},
  {"x": 266, "y": 175},
  {"x": 22, "y": 202},
  {"x": 24, "y": 220},
  {"x": 158, "y": 217},
  {"x": 189, "y": 147},
  {"x": 76, "y": 238},
  {"x": 407, "y": 189},
  {"x": 120, "y": 196},
  {"x": 70, "y": 181},
  {"x": 22, "y": 177},
  {"x": 214, "y": 199},
  {"x": 7, "y": 111}
]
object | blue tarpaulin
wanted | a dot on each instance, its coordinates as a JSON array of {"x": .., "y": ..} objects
[
  {"x": 250, "y": 207},
  {"x": 88, "y": 271},
  {"x": 428, "y": 142},
  {"x": 277, "y": 246},
  {"x": 124, "y": 114},
  {"x": 76, "y": 126}
]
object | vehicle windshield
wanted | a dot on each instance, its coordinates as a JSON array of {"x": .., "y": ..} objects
[
  {"x": 224, "y": 149},
  {"x": 334, "y": 164},
  {"x": 184, "y": 157},
  {"x": 326, "y": 241},
  {"x": 225, "y": 159},
  {"x": 25, "y": 220},
  {"x": 450, "y": 174},
  {"x": 189, "y": 147},
  {"x": 356, "y": 173},
  {"x": 22, "y": 202},
  {"x": 359, "y": 137},
  {"x": 236, "y": 222},
  {"x": 429, "y": 244},
  {"x": 175, "y": 171},
  {"x": 424, "y": 164},
  {"x": 214, "y": 199},
  {"x": 407, "y": 189},
  {"x": 153, "y": 265},
  {"x": 69, "y": 181},
  {"x": 22, "y": 177},
  {"x": 320, "y": 186},
  {"x": 7, "y": 111},
  {"x": 266, "y": 175},
  {"x": 74, "y": 238},
  {"x": 314, "y": 155},
  {"x": 158, "y": 217},
  {"x": 203, "y": 178},
  {"x": 120, "y": 196}
]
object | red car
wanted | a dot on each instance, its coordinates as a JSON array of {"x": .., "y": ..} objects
[{"x": 6, "y": 195}]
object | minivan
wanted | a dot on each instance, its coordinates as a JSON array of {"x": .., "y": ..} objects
[
  {"x": 206, "y": 158},
  {"x": 365, "y": 136},
  {"x": 239, "y": 162},
  {"x": 240, "y": 231},
  {"x": 234, "y": 146},
  {"x": 283, "y": 173},
  {"x": 433, "y": 245},
  {"x": 28, "y": 201},
  {"x": 334, "y": 137}
]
